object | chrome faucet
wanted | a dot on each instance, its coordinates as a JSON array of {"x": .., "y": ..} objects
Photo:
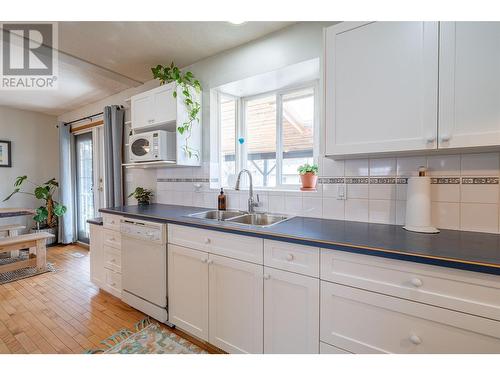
[{"x": 251, "y": 202}]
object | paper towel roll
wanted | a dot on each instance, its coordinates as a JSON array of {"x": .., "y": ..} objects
[{"x": 418, "y": 205}]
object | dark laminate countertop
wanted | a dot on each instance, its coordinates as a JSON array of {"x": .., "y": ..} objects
[
  {"x": 95, "y": 221},
  {"x": 457, "y": 249}
]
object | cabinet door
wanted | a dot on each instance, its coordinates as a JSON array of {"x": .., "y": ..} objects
[
  {"x": 164, "y": 104},
  {"x": 469, "y": 84},
  {"x": 96, "y": 255},
  {"x": 188, "y": 290},
  {"x": 381, "y": 82},
  {"x": 142, "y": 110},
  {"x": 236, "y": 305},
  {"x": 291, "y": 313}
]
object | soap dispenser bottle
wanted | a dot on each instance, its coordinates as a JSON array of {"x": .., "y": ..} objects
[{"x": 221, "y": 201}]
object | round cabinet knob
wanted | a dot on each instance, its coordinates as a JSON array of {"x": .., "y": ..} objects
[
  {"x": 210, "y": 261},
  {"x": 415, "y": 340},
  {"x": 204, "y": 260},
  {"x": 416, "y": 282},
  {"x": 445, "y": 138},
  {"x": 431, "y": 139},
  {"x": 207, "y": 241},
  {"x": 290, "y": 257},
  {"x": 267, "y": 276}
]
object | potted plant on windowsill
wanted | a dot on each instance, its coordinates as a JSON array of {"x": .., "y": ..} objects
[
  {"x": 142, "y": 195},
  {"x": 47, "y": 215},
  {"x": 308, "y": 176}
]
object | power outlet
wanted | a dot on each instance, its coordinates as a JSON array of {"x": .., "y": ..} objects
[{"x": 341, "y": 192}]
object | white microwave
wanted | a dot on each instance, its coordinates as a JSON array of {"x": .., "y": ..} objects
[{"x": 152, "y": 146}]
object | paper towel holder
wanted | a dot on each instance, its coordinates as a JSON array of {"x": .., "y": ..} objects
[{"x": 418, "y": 204}]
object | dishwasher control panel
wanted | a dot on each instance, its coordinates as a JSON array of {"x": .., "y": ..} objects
[{"x": 144, "y": 230}]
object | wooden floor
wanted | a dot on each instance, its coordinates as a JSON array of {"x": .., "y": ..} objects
[{"x": 62, "y": 312}]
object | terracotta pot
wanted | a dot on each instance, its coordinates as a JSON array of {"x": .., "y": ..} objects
[{"x": 309, "y": 180}]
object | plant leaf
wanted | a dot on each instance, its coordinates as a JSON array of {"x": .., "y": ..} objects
[
  {"x": 42, "y": 192},
  {"x": 59, "y": 209},
  {"x": 16, "y": 190},
  {"x": 20, "y": 180}
]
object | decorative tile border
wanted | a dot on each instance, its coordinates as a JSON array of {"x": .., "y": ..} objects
[
  {"x": 480, "y": 180},
  {"x": 383, "y": 180},
  {"x": 331, "y": 180},
  {"x": 371, "y": 180},
  {"x": 182, "y": 180},
  {"x": 357, "y": 180},
  {"x": 445, "y": 180}
]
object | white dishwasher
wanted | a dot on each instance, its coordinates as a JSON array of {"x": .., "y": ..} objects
[{"x": 144, "y": 266}]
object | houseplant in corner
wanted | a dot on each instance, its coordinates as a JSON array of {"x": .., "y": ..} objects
[
  {"x": 308, "y": 176},
  {"x": 142, "y": 195},
  {"x": 47, "y": 215},
  {"x": 187, "y": 83}
]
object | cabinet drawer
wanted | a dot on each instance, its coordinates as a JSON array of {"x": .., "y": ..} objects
[
  {"x": 113, "y": 282},
  {"x": 330, "y": 349},
  {"x": 110, "y": 221},
  {"x": 292, "y": 257},
  {"x": 365, "y": 322},
  {"x": 230, "y": 245},
  {"x": 112, "y": 238},
  {"x": 465, "y": 291},
  {"x": 112, "y": 259}
]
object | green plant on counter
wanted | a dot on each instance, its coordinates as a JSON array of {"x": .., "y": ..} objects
[
  {"x": 187, "y": 82},
  {"x": 142, "y": 195},
  {"x": 306, "y": 168},
  {"x": 46, "y": 215}
]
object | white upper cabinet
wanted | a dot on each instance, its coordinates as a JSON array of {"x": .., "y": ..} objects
[
  {"x": 381, "y": 82},
  {"x": 469, "y": 84},
  {"x": 154, "y": 107}
]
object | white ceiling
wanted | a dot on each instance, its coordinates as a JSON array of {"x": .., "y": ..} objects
[{"x": 99, "y": 59}]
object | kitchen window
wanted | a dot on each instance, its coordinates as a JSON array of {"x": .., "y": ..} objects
[{"x": 269, "y": 134}]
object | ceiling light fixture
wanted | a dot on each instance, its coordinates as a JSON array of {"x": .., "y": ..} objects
[{"x": 237, "y": 22}]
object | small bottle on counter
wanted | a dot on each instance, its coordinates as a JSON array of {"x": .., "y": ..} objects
[{"x": 221, "y": 201}]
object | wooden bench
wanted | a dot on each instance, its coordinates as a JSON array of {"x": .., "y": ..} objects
[
  {"x": 36, "y": 242},
  {"x": 11, "y": 230}
]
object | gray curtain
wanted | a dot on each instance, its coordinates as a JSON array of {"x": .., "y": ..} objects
[
  {"x": 113, "y": 139},
  {"x": 67, "y": 223}
]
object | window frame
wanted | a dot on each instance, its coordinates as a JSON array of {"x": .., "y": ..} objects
[{"x": 241, "y": 130}]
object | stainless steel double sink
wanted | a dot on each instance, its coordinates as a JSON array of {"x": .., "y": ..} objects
[{"x": 241, "y": 217}]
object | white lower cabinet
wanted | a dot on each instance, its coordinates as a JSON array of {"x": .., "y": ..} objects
[
  {"x": 188, "y": 290},
  {"x": 365, "y": 322},
  {"x": 330, "y": 349},
  {"x": 236, "y": 305},
  {"x": 291, "y": 313}
]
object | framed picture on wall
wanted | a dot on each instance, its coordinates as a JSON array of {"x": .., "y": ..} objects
[{"x": 5, "y": 154}]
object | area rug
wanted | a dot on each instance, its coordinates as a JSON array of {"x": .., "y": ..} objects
[
  {"x": 148, "y": 338},
  {"x": 10, "y": 276}
]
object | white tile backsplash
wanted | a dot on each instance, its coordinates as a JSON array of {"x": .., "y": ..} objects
[
  {"x": 480, "y": 164},
  {"x": 356, "y": 167},
  {"x": 444, "y": 165},
  {"x": 466, "y": 206},
  {"x": 383, "y": 167},
  {"x": 479, "y": 217}
]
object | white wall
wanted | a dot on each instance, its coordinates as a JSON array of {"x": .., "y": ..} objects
[{"x": 35, "y": 153}]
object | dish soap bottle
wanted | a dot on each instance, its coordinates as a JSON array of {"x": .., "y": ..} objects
[{"x": 222, "y": 201}]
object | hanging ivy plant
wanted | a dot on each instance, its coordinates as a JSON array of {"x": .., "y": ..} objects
[{"x": 171, "y": 73}]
